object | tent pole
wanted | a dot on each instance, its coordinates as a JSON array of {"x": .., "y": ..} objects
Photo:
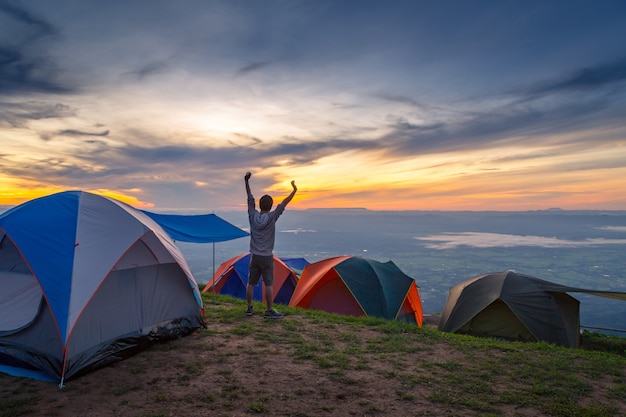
[{"x": 213, "y": 276}]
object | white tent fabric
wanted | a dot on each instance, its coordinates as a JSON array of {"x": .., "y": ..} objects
[{"x": 20, "y": 298}]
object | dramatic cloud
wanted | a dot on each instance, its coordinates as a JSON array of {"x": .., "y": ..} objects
[
  {"x": 72, "y": 132},
  {"x": 528, "y": 114},
  {"x": 24, "y": 67},
  {"x": 18, "y": 114},
  {"x": 612, "y": 75}
]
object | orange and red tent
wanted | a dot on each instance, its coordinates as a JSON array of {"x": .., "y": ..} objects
[{"x": 358, "y": 286}]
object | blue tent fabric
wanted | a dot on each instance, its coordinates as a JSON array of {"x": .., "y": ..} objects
[
  {"x": 296, "y": 264},
  {"x": 27, "y": 373},
  {"x": 52, "y": 258},
  {"x": 236, "y": 284},
  {"x": 201, "y": 228}
]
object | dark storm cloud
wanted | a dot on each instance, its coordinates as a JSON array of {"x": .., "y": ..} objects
[{"x": 24, "y": 66}]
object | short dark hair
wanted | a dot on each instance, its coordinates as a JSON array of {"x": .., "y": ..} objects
[{"x": 266, "y": 202}]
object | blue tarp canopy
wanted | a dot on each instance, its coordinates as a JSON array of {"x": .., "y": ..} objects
[{"x": 201, "y": 228}]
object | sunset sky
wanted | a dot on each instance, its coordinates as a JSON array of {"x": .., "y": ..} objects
[{"x": 394, "y": 105}]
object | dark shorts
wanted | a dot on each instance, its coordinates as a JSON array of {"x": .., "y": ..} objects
[{"x": 261, "y": 266}]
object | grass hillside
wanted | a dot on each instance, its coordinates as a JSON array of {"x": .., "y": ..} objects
[{"x": 318, "y": 364}]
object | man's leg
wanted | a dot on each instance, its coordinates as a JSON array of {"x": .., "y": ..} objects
[
  {"x": 249, "y": 294},
  {"x": 268, "y": 279},
  {"x": 254, "y": 274},
  {"x": 269, "y": 297},
  {"x": 270, "y": 313}
]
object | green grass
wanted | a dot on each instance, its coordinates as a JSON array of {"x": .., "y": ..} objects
[
  {"x": 472, "y": 376},
  {"x": 17, "y": 407},
  {"x": 484, "y": 375}
]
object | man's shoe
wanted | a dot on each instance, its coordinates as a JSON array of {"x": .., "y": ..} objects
[
  {"x": 272, "y": 314},
  {"x": 249, "y": 311}
]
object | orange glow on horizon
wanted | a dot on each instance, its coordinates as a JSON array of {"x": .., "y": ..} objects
[
  {"x": 13, "y": 195},
  {"x": 382, "y": 200},
  {"x": 124, "y": 198},
  {"x": 474, "y": 180},
  {"x": 450, "y": 182}
]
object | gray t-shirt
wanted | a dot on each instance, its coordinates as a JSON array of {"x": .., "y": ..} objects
[{"x": 262, "y": 228}]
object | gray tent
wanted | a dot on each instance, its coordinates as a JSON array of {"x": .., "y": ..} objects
[{"x": 514, "y": 306}]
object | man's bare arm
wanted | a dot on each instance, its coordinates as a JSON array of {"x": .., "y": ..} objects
[
  {"x": 290, "y": 196},
  {"x": 246, "y": 178}
]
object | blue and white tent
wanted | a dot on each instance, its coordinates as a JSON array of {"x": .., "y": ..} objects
[{"x": 86, "y": 280}]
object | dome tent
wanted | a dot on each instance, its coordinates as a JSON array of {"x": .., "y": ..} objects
[
  {"x": 358, "y": 286},
  {"x": 231, "y": 278},
  {"x": 514, "y": 306},
  {"x": 86, "y": 280}
]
